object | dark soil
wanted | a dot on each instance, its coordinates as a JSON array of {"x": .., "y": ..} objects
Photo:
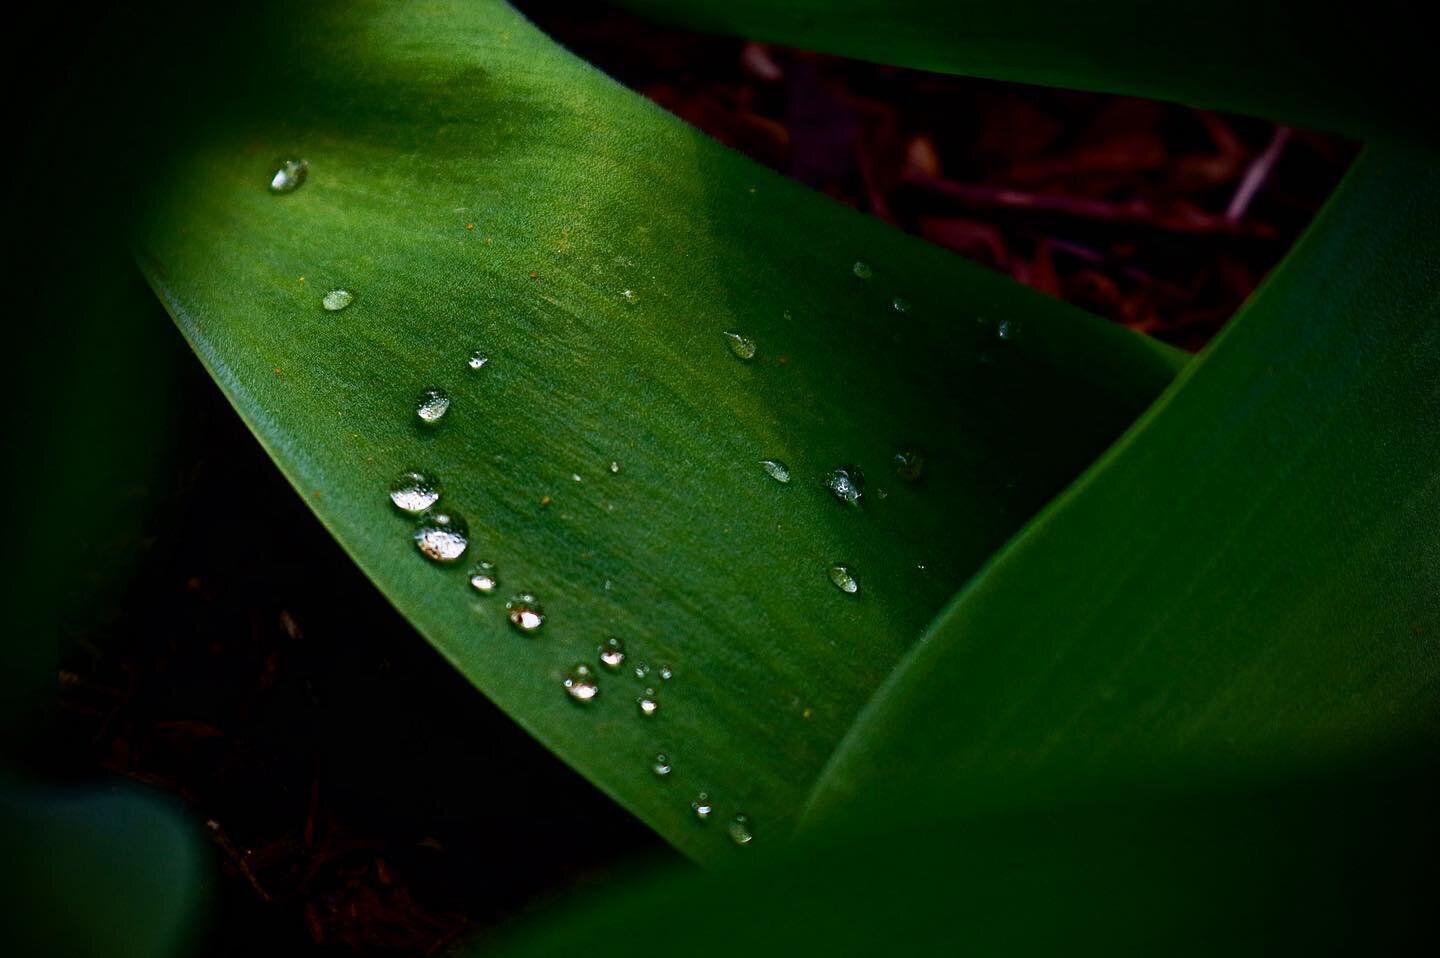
[{"x": 360, "y": 796}]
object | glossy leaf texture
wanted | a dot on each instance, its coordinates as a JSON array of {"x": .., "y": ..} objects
[
  {"x": 1248, "y": 582},
  {"x": 1324, "y": 65},
  {"x": 476, "y": 188}
]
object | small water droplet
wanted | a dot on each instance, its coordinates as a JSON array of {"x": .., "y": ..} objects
[
  {"x": 647, "y": 702},
  {"x": 432, "y": 405},
  {"x": 862, "y": 270},
  {"x": 739, "y": 830},
  {"x": 1006, "y": 330},
  {"x": 920, "y": 566},
  {"x": 641, "y": 670},
  {"x": 614, "y": 468},
  {"x": 702, "y": 806},
  {"x": 414, "y": 491},
  {"x": 628, "y": 295},
  {"x": 661, "y": 768},
  {"x": 788, "y": 315},
  {"x": 442, "y": 536},
  {"x": 742, "y": 346},
  {"x": 909, "y": 464},
  {"x": 844, "y": 579},
  {"x": 477, "y": 360},
  {"x": 580, "y": 684},
  {"x": 612, "y": 653},
  {"x": 846, "y": 483},
  {"x": 337, "y": 299},
  {"x": 881, "y": 494},
  {"x": 525, "y": 612},
  {"x": 776, "y": 469},
  {"x": 666, "y": 673},
  {"x": 484, "y": 578},
  {"x": 901, "y": 304},
  {"x": 289, "y": 176}
]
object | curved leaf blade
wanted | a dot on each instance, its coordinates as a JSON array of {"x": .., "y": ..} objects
[
  {"x": 1246, "y": 582},
  {"x": 419, "y": 122}
]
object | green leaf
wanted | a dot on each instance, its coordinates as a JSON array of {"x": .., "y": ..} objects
[
  {"x": 114, "y": 874},
  {"x": 1247, "y": 582},
  {"x": 420, "y": 120},
  {"x": 1322, "y": 65},
  {"x": 1320, "y": 866}
]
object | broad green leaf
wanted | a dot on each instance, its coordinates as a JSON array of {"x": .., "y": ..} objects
[
  {"x": 477, "y": 188},
  {"x": 113, "y": 874},
  {"x": 1248, "y": 581},
  {"x": 1324, "y": 65},
  {"x": 1318, "y": 866}
]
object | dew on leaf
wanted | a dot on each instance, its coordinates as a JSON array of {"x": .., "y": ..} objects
[
  {"x": 739, "y": 830},
  {"x": 742, "y": 346},
  {"x": 477, "y": 360},
  {"x": 432, "y": 406},
  {"x": 661, "y": 766},
  {"x": 844, "y": 579},
  {"x": 776, "y": 470},
  {"x": 612, "y": 653},
  {"x": 901, "y": 304},
  {"x": 641, "y": 670},
  {"x": 647, "y": 703},
  {"x": 337, "y": 299},
  {"x": 525, "y": 612},
  {"x": 414, "y": 492},
  {"x": 702, "y": 806},
  {"x": 289, "y": 176},
  {"x": 666, "y": 673},
  {"x": 484, "y": 578},
  {"x": 862, "y": 270},
  {"x": 909, "y": 464},
  {"x": 846, "y": 483},
  {"x": 580, "y": 684},
  {"x": 441, "y": 536}
]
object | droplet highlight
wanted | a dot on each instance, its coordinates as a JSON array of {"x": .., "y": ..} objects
[
  {"x": 442, "y": 536},
  {"x": 648, "y": 703},
  {"x": 844, "y": 579},
  {"x": 414, "y": 492},
  {"x": 612, "y": 653},
  {"x": 432, "y": 406},
  {"x": 666, "y": 673},
  {"x": 289, "y": 177},
  {"x": 580, "y": 684},
  {"x": 739, "y": 830},
  {"x": 742, "y": 346},
  {"x": 776, "y": 470},
  {"x": 846, "y": 483},
  {"x": 337, "y": 299},
  {"x": 862, "y": 270},
  {"x": 702, "y": 807},
  {"x": 661, "y": 766},
  {"x": 901, "y": 304},
  {"x": 525, "y": 612},
  {"x": 484, "y": 578},
  {"x": 477, "y": 360}
]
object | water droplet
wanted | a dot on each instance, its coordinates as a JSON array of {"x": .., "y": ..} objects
[
  {"x": 641, "y": 670},
  {"x": 414, "y": 492},
  {"x": 628, "y": 295},
  {"x": 901, "y": 304},
  {"x": 909, "y": 464},
  {"x": 289, "y": 176},
  {"x": 525, "y": 612},
  {"x": 484, "y": 578},
  {"x": 844, "y": 579},
  {"x": 432, "y": 405},
  {"x": 614, "y": 468},
  {"x": 863, "y": 270},
  {"x": 661, "y": 768},
  {"x": 666, "y": 673},
  {"x": 647, "y": 702},
  {"x": 442, "y": 536},
  {"x": 612, "y": 653},
  {"x": 1006, "y": 330},
  {"x": 739, "y": 830},
  {"x": 702, "y": 806},
  {"x": 742, "y": 346},
  {"x": 787, "y": 314},
  {"x": 477, "y": 360},
  {"x": 580, "y": 683},
  {"x": 337, "y": 299},
  {"x": 776, "y": 469},
  {"x": 920, "y": 566},
  {"x": 847, "y": 483}
]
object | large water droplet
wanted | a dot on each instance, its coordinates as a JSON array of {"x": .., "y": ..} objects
[
  {"x": 484, "y": 578},
  {"x": 846, "y": 483},
  {"x": 776, "y": 469},
  {"x": 525, "y": 612},
  {"x": 477, "y": 360},
  {"x": 742, "y": 346},
  {"x": 909, "y": 464},
  {"x": 702, "y": 806},
  {"x": 739, "y": 830},
  {"x": 289, "y": 176},
  {"x": 661, "y": 767},
  {"x": 432, "y": 405},
  {"x": 648, "y": 703},
  {"x": 612, "y": 653},
  {"x": 844, "y": 579},
  {"x": 337, "y": 299},
  {"x": 414, "y": 491},
  {"x": 862, "y": 270},
  {"x": 442, "y": 536},
  {"x": 580, "y": 683}
]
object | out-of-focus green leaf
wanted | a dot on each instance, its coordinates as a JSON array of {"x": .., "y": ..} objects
[
  {"x": 1248, "y": 581},
  {"x": 1354, "y": 69},
  {"x": 477, "y": 188},
  {"x": 110, "y": 875}
]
